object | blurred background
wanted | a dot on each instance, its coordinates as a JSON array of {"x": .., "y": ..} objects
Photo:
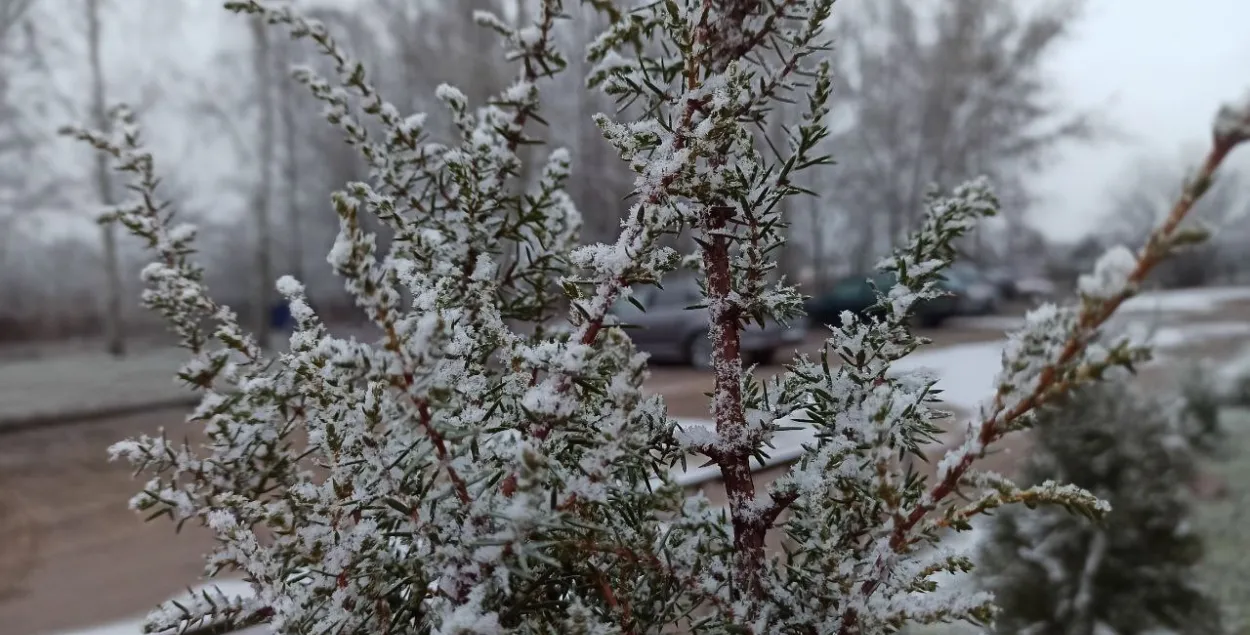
[{"x": 1086, "y": 116}]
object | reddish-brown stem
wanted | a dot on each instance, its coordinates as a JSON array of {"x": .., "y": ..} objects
[
  {"x": 462, "y": 491},
  {"x": 1092, "y": 316},
  {"x": 735, "y": 461},
  {"x": 424, "y": 418},
  {"x": 616, "y": 605}
]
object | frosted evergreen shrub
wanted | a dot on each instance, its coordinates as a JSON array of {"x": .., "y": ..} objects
[
  {"x": 1196, "y": 411},
  {"x": 462, "y": 476},
  {"x": 1135, "y": 572}
]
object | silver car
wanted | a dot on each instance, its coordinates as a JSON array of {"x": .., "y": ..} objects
[
  {"x": 671, "y": 331},
  {"x": 975, "y": 293}
]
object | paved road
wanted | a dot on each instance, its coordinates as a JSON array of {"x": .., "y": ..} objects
[{"x": 72, "y": 555}]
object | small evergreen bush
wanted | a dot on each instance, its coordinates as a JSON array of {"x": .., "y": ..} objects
[
  {"x": 1197, "y": 409},
  {"x": 1232, "y": 380},
  {"x": 1133, "y": 572}
]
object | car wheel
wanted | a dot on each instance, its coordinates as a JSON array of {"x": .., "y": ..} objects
[
  {"x": 699, "y": 351},
  {"x": 764, "y": 357}
]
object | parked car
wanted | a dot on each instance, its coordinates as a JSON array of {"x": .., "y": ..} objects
[
  {"x": 670, "y": 330},
  {"x": 856, "y": 294},
  {"x": 1003, "y": 280},
  {"x": 975, "y": 292},
  {"x": 1034, "y": 288},
  {"x": 1013, "y": 285}
]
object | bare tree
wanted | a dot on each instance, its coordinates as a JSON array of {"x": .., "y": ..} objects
[
  {"x": 248, "y": 124},
  {"x": 83, "y": 42},
  {"x": 262, "y": 61},
  {"x": 288, "y": 114},
  {"x": 432, "y": 45},
  {"x": 1141, "y": 200},
  {"x": 937, "y": 93},
  {"x": 114, "y": 290},
  {"x": 603, "y": 181},
  {"x": 19, "y": 190}
]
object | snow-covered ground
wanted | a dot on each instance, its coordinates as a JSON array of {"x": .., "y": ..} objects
[
  {"x": 1179, "y": 303},
  {"x": 134, "y": 626},
  {"x": 966, "y": 375},
  {"x": 83, "y": 382},
  {"x": 69, "y": 384},
  {"x": 1185, "y": 300}
]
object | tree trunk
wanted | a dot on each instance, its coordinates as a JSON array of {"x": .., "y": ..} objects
[
  {"x": 263, "y": 67},
  {"x": 600, "y": 218},
  {"x": 114, "y": 328},
  {"x": 295, "y": 225},
  {"x": 816, "y": 239}
]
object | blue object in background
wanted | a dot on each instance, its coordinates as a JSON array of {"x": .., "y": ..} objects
[{"x": 280, "y": 317}]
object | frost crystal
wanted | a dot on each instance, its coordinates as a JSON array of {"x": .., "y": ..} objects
[
  {"x": 1111, "y": 274},
  {"x": 1232, "y": 121}
]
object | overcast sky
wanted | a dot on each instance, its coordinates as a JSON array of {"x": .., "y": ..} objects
[{"x": 1157, "y": 69}]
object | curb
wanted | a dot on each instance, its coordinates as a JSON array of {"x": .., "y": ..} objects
[{"x": 54, "y": 419}]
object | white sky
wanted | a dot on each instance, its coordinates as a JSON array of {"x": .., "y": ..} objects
[{"x": 1157, "y": 70}]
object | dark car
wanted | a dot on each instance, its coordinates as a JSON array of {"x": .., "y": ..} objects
[
  {"x": 975, "y": 292},
  {"x": 1004, "y": 281},
  {"x": 1021, "y": 285},
  {"x": 670, "y": 330},
  {"x": 856, "y": 294}
]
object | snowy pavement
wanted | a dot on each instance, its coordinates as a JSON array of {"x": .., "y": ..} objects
[
  {"x": 134, "y": 626},
  {"x": 93, "y": 385},
  {"x": 35, "y": 391},
  {"x": 967, "y": 374},
  {"x": 90, "y": 384}
]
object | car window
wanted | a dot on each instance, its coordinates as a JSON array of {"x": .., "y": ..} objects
[
  {"x": 676, "y": 295},
  {"x": 850, "y": 289},
  {"x": 884, "y": 282},
  {"x": 959, "y": 277},
  {"x": 642, "y": 295}
]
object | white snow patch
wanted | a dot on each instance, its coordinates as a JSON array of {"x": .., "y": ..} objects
[
  {"x": 1174, "y": 336},
  {"x": 228, "y": 587},
  {"x": 1185, "y": 300},
  {"x": 787, "y": 446},
  {"x": 966, "y": 373},
  {"x": 135, "y": 627}
]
